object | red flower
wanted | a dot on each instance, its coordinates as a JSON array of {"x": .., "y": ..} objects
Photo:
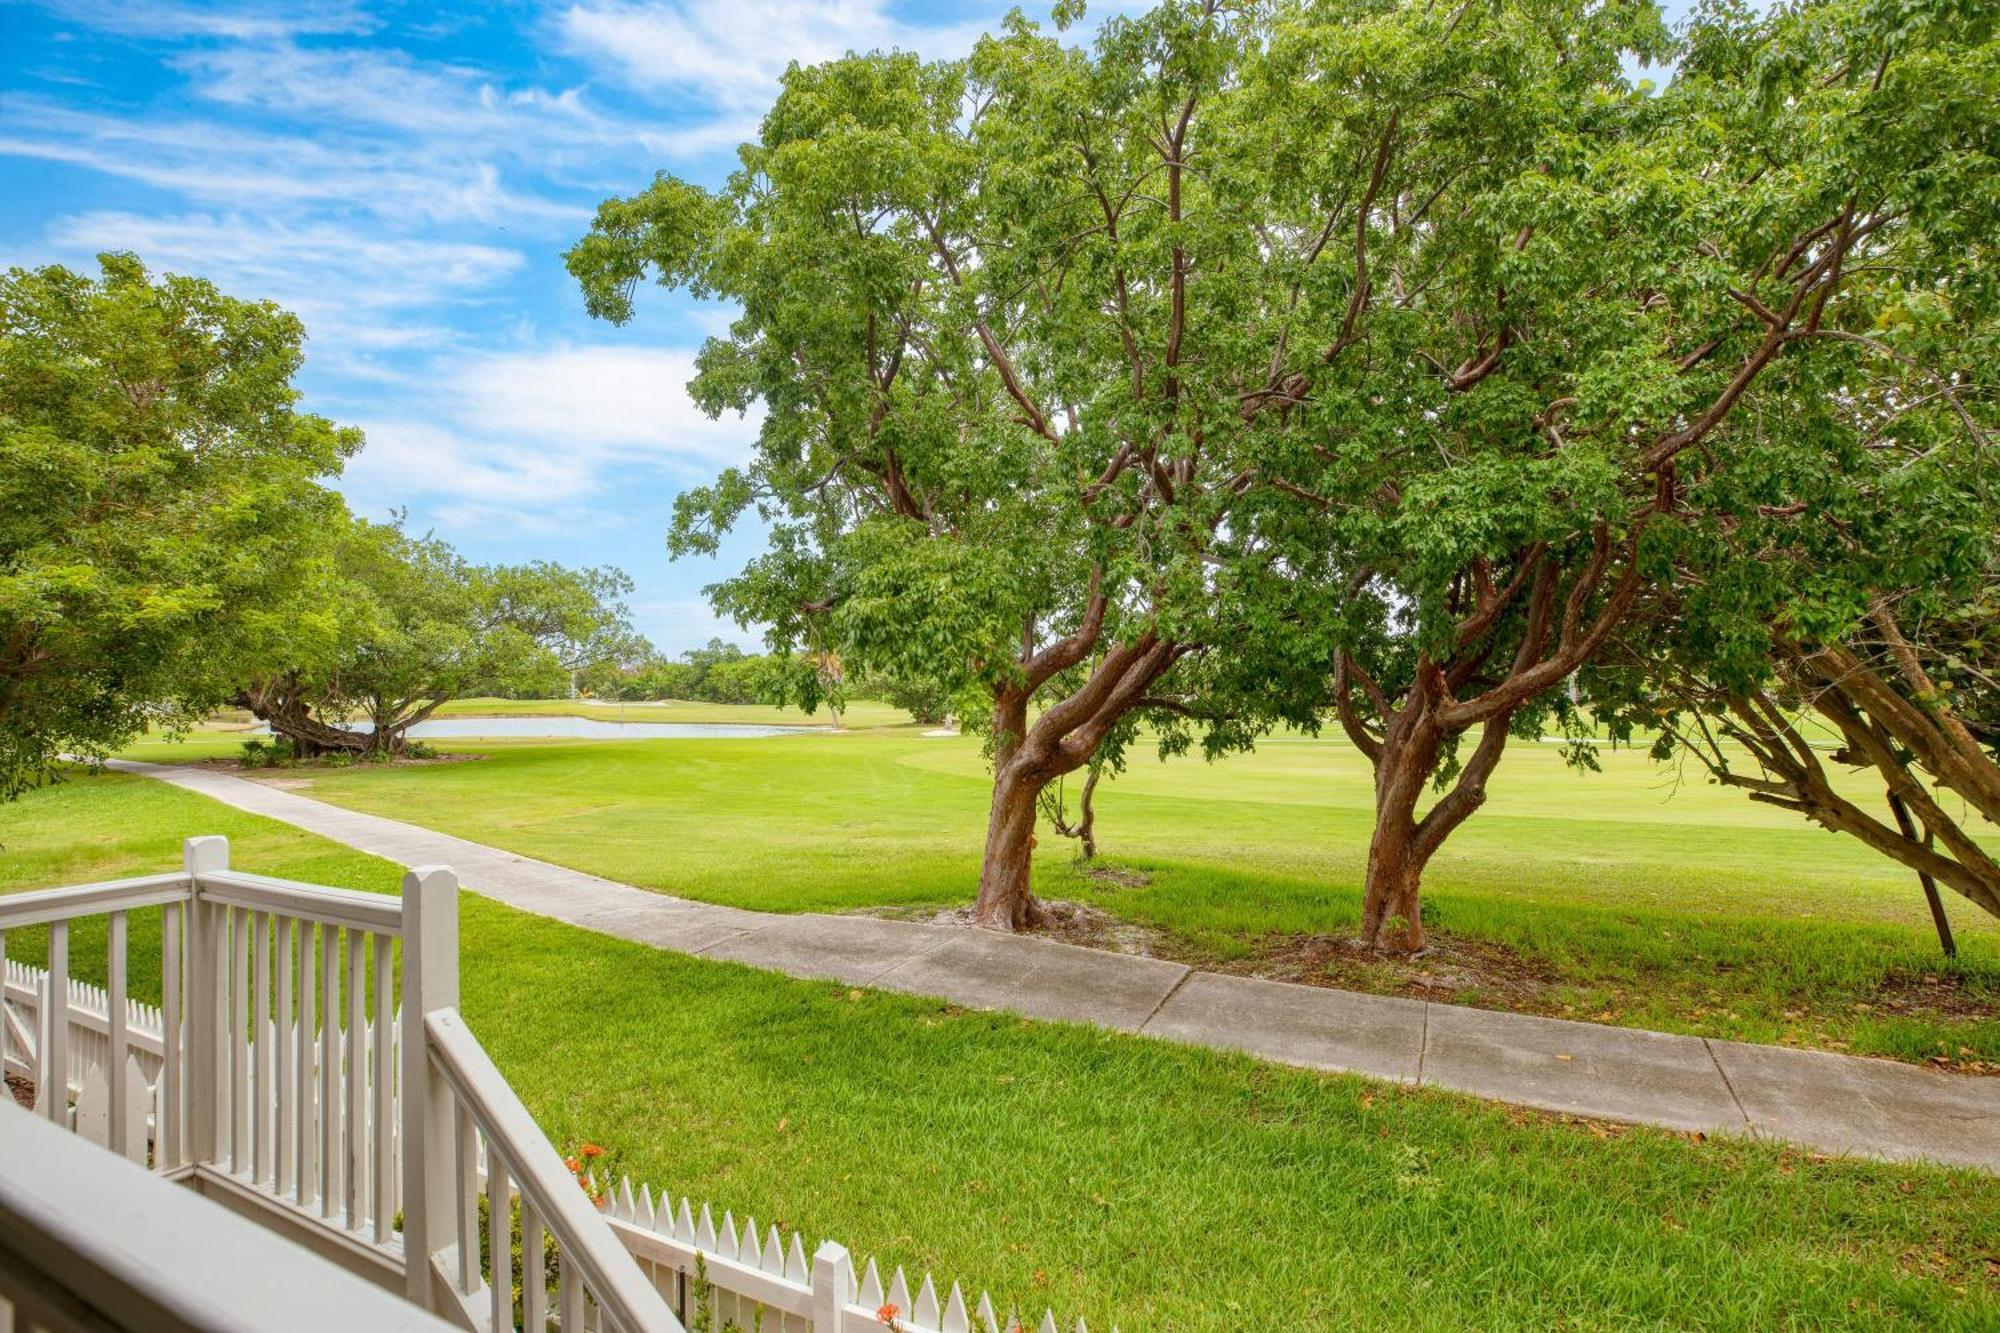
[
  {"x": 886, "y": 1315},
  {"x": 573, "y": 1164},
  {"x": 592, "y": 1150}
]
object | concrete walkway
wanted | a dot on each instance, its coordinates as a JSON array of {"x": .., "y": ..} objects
[{"x": 1837, "y": 1103}]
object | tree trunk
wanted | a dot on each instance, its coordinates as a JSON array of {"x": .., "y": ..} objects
[
  {"x": 1086, "y": 816},
  {"x": 1908, "y": 828},
  {"x": 1064, "y": 737},
  {"x": 1402, "y": 845},
  {"x": 1391, "y": 916},
  {"x": 1391, "y": 904},
  {"x": 292, "y": 718},
  {"x": 1084, "y": 829},
  {"x": 393, "y": 722},
  {"x": 1006, "y": 898}
]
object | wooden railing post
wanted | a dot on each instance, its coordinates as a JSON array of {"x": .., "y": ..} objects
[
  {"x": 203, "y": 1084},
  {"x": 430, "y": 982},
  {"x": 832, "y": 1287}
]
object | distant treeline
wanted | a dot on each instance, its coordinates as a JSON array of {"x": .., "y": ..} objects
[{"x": 722, "y": 673}]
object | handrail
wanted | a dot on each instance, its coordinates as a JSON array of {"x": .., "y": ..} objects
[
  {"x": 43, "y": 906},
  {"x": 375, "y": 912},
  {"x": 89, "y": 1240},
  {"x": 584, "y": 1236}
]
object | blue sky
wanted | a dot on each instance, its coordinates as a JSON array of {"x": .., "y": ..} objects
[{"x": 405, "y": 177}]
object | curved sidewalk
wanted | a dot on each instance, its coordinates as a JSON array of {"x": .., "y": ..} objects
[{"x": 1837, "y": 1103}]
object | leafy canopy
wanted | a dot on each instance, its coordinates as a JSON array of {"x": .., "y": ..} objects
[
  {"x": 421, "y": 625},
  {"x": 160, "y": 501}
]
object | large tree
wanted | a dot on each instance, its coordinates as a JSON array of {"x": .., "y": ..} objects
[
  {"x": 1557, "y": 384},
  {"x": 160, "y": 501},
  {"x": 1849, "y": 614},
  {"x": 999, "y": 315},
  {"x": 415, "y": 625}
]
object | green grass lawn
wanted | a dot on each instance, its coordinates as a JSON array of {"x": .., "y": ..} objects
[
  {"x": 1627, "y": 896},
  {"x": 1134, "y": 1182}
]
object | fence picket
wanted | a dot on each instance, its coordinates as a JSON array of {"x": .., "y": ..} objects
[
  {"x": 6, "y": 1015},
  {"x": 355, "y": 1157},
  {"x": 871, "y": 1286},
  {"x": 52, "y": 1075},
  {"x": 384, "y": 1085},
  {"x": 899, "y": 1291},
  {"x": 167, "y": 1119},
  {"x": 305, "y": 1100},
  {"x": 534, "y": 1282},
  {"x": 93, "y": 1107},
  {"x": 285, "y": 1168},
  {"x": 332, "y": 1181},
  {"x": 116, "y": 1017},
  {"x": 569, "y": 1294},
  {"x": 500, "y": 1244},
  {"x": 240, "y": 1146},
  {"x": 467, "y": 1177},
  {"x": 262, "y": 1159}
]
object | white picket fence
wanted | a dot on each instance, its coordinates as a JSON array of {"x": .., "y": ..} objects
[
  {"x": 24, "y": 1013},
  {"x": 761, "y": 1279},
  {"x": 24, "y": 1002}
]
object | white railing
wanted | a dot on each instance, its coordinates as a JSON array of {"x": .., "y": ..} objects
[
  {"x": 54, "y": 910},
  {"x": 89, "y": 1243},
  {"x": 596, "y": 1283},
  {"x": 288, "y": 1080},
  {"x": 23, "y": 1009}
]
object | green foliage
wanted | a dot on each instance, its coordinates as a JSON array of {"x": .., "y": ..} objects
[
  {"x": 991, "y": 409},
  {"x": 417, "y": 625},
  {"x": 1861, "y": 504},
  {"x": 549, "y": 1262},
  {"x": 926, "y": 700},
  {"x": 272, "y": 752},
  {"x": 702, "y": 1292},
  {"x": 719, "y": 673},
  {"x": 160, "y": 502}
]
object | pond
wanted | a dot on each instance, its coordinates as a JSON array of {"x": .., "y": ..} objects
[{"x": 580, "y": 728}]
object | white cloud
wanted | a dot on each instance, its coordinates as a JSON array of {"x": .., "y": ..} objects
[
  {"x": 215, "y": 165},
  {"x": 266, "y": 254},
  {"x": 261, "y": 21},
  {"x": 627, "y": 404},
  {"x": 544, "y": 439},
  {"x": 407, "y": 459},
  {"x": 731, "y": 52},
  {"x": 360, "y": 293},
  {"x": 387, "y": 89}
]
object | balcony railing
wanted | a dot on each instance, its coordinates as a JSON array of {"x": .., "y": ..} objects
[
  {"x": 293, "y": 1077},
  {"x": 90, "y": 1241}
]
